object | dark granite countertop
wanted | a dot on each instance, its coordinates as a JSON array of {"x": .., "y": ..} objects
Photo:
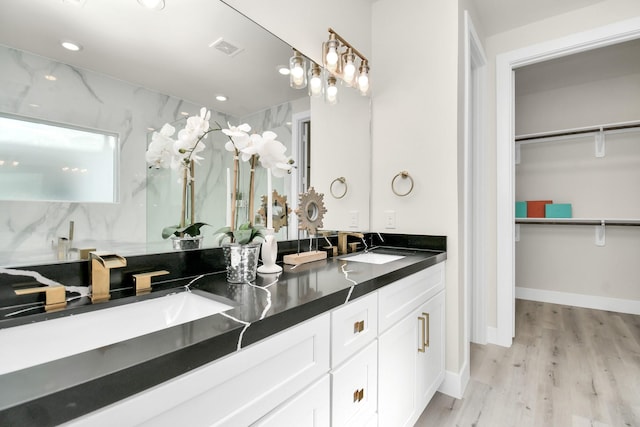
[{"x": 57, "y": 391}]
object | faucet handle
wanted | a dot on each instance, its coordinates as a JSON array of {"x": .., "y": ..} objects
[
  {"x": 55, "y": 296},
  {"x": 142, "y": 281}
]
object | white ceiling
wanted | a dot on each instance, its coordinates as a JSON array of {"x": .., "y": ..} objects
[
  {"x": 497, "y": 16},
  {"x": 167, "y": 51},
  {"x": 598, "y": 64}
]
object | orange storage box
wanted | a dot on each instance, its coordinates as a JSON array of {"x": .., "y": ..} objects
[{"x": 536, "y": 208}]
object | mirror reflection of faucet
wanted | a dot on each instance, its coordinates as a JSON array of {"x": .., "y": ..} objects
[{"x": 100, "y": 265}]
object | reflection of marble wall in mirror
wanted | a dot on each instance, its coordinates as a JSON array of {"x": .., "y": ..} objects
[
  {"x": 134, "y": 224},
  {"x": 86, "y": 99}
]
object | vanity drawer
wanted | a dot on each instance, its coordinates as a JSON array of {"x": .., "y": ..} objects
[
  {"x": 399, "y": 298},
  {"x": 354, "y": 389},
  {"x": 353, "y": 326}
]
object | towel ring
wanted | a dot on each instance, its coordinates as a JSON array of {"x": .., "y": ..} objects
[
  {"x": 403, "y": 175},
  {"x": 341, "y": 180}
]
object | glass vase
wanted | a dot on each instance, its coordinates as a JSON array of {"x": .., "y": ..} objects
[{"x": 241, "y": 262}]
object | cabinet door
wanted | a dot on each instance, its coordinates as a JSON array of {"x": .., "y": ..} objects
[
  {"x": 397, "y": 368},
  {"x": 310, "y": 408},
  {"x": 430, "y": 365},
  {"x": 354, "y": 389}
]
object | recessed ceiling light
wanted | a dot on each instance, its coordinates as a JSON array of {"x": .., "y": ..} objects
[
  {"x": 152, "y": 4},
  {"x": 34, "y": 105},
  {"x": 1, "y": 162},
  {"x": 69, "y": 45},
  {"x": 15, "y": 163},
  {"x": 50, "y": 77},
  {"x": 221, "y": 98},
  {"x": 284, "y": 70},
  {"x": 184, "y": 113}
]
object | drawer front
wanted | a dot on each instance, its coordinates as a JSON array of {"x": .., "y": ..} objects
[
  {"x": 353, "y": 327},
  {"x": 354, "y": 389},
  {"x": 401, "y": 297}
]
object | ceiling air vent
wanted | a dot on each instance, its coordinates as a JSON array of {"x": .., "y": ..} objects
[{"x": 225, "y": 47}]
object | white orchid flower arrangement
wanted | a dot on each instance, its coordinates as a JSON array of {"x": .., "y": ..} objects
[
  {"x": 182, "y": 153},
  {"x": 251, "y": 148}
]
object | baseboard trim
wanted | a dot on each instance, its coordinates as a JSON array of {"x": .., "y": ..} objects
[
  {"x": 580, "y": 300},
  {"x": 454, "y": 384},
  {"x": 492, "y": 335}
]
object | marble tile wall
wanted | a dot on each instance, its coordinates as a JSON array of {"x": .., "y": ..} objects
[{"x": 92, "y": 100}]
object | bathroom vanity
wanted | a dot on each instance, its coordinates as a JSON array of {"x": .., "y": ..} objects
[{"x": 333, "y": 342}]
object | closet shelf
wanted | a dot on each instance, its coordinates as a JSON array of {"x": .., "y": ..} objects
[
  {"x": 581, "y": 221},
  {"x": 620, "y": 127}
]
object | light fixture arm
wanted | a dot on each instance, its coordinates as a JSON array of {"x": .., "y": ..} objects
[{"x": 347, "y": 44}]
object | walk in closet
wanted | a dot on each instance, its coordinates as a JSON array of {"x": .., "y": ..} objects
[{"x": 577, "y": 125}]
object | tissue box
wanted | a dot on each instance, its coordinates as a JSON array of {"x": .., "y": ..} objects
[
  {"x": 558, "y": 210},
  {"x": 521, "y": 209},
  {"x": 536, "y": 208}
]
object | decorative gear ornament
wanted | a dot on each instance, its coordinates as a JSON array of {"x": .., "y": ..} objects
[
  {"x": 310, "y": 211},
  {"x": 280, "y": 210}
]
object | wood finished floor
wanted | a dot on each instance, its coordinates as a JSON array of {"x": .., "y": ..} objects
[{"x": 567, "y": 367}]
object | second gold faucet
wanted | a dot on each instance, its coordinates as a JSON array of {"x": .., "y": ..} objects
[{"x": 342, "y": 240}]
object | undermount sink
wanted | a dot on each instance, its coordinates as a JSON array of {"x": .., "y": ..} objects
[
  {"x": 372, "y": 258},
  {"x": 35, "y": 343}
]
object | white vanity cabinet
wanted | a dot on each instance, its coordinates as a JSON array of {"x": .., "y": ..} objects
[
  {"x": 410, "y": 346},
  {"x": 237, "y": 390},
  {"x": 375, "y": 361}
]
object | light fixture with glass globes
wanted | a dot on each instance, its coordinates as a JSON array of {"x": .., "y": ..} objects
[
  {"x": 339, "y": 58},
  {"x": 298, "y": 71},
  {"x": 315, "y": 80}
]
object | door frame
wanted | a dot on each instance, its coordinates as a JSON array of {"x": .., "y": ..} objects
[{"x": 506, "y": 63}]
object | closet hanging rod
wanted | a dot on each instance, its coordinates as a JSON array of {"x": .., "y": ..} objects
[
  {"x": 579, "y": 131},
  {"x": 580, "y": 221}
]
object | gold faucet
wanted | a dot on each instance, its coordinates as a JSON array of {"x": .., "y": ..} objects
[
  {"x": 342, "y": 240},
  {"x": 101, "y": 264}
]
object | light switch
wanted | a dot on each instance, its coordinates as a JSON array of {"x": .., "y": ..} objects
[
  {"x": 389, "y": 219},
  {"x": 353, "y": 219}
]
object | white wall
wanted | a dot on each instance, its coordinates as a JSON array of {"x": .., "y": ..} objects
[
  {"x": 565, "y": 258},
  {"x": 600, "y": 14},
  {"x": 415, "y": 116}
]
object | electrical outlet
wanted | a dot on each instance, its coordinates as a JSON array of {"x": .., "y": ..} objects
[
  {"x": 389, "y": 219},
  {"x": 353, "y": 219}
]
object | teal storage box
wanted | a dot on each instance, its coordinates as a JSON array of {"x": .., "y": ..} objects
[
  {"x": 521, "y": 209},
  {"x": 558, "y": 210}
]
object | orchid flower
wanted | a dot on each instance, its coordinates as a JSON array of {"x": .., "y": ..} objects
[
  {"x": 272, "y": 155},
  {"x": 238, "y": 137},
  {"x": 160, "y": 152}
]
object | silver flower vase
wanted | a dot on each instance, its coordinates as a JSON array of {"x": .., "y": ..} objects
[
  {"x": 241, "y": 261},
  {"x": 187, "y": 242}
]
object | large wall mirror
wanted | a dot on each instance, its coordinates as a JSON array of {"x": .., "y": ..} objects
[{"x": 136, "y": 70}]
